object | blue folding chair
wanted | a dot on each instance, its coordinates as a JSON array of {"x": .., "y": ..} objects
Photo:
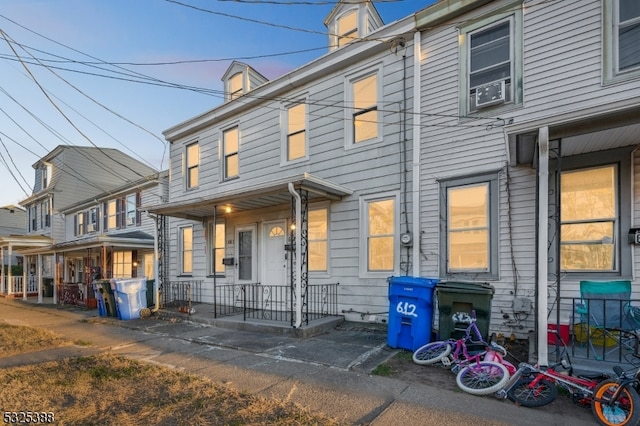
[{"x": 605, "y": 305}]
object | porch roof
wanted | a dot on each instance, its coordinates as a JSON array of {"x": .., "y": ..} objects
[
  {"x": 581, "y": 132},
  {"x": 130, "y": 240},
  {"x": 265, "y": 194},
  {"x": 22, "y": 242}
]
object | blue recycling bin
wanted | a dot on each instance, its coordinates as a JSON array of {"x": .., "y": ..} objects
[
  {"x": 131, "y": 296},
  {"x": 102, "y": 310},
  {"x": 410, "y": 311}
]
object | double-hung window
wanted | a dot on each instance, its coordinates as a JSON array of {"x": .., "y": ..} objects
[
  {"x": 379, "y": 218},
  {"x": 491, "y": 62},
  {"x": 296, "y": 138},
  {"x": 621, "y": 47},
  {"x": 131, "y": 209},
  {"x": 347, "y": 28},
  {"x": 594, "y": 216},
  {"x": 317, "y": 240},
  {"x": 112, "y": 213},
  {"x": 230, "y": 147},
  {"x": 80, "y": 223},
  {"x": 363, "y": 93},
  {"x": 469, "y": 224},
  {"x": 216, "y": 239},
  {"x": 122, "y": 262},
  {"x": 192, "y": 165},
  {"x": 92, "y": 225},
  {"x": 186, "y": 250},
  {"x": 236, "y": 85}
]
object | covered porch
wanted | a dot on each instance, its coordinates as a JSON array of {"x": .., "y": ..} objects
[
  {"x": 34, "y": 270},
  {"x": 585, "y": 169},
  {"x": 261, "y": 247}
]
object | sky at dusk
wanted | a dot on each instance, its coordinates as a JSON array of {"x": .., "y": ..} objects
[{"x": 117, "y": 73}]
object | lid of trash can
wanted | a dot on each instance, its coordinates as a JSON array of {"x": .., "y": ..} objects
[
  {"x": 465, "y": 287},
  {"x": 414, "y": 281}
]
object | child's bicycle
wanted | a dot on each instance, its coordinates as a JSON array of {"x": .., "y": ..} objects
[
  {"x": 479, "y": 372},
  {"x": 616, "y": 401},
  {"x": 533, "y": 386}
]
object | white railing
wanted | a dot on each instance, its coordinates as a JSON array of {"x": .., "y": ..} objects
[{"x": 15, "y": 285}]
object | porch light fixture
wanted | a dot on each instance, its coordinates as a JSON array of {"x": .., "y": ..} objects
[
  {"x": 293, "y": 226},
  {"x": 135, "y": 263},
  {"x": 227, "y": 209}
]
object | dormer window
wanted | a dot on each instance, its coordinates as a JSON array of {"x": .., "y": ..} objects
[
  {"x": 46, "y": 175},
  {"x": 235, "y": 85},
  {"x": 347, "y": 28},
  {"x": 349, "y": 21},
  {"x": 240, "y": 79}
]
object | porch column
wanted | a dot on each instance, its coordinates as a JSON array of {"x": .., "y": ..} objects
[
  {"x": 39, "y": 277},
  {"x": 543, "y": 238},
  {"x": 24, "y": 278},
  {"x": 298, "y": 257},
  {"x": 57, "y": 269},
  {"x": 9, "y": 277},
  {"x": 2, "y": 276}
]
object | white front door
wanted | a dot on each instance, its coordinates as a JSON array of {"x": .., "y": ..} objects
[
  {"x": 246, "y": 253},
  {"x": 274, "y": 262}
]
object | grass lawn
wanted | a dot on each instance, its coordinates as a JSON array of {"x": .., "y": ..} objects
[{"x": 111, "y": 390}]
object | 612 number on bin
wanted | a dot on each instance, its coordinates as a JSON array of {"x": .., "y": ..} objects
[{"x": 406, "y": 308}]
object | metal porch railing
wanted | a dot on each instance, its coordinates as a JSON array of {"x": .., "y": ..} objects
[{"x": 589, "y": 336}]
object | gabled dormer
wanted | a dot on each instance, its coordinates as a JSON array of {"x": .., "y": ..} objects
[
  {"x": 349, "y": 21},
  {"x": 239, "y": 79}
]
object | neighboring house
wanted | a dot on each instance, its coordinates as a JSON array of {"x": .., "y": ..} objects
[
  {"x": 84, "y": 218},
  {"x": 441, "y": 145},
  {"x": 12, "y": 223},
  {"x": 546, "y": 195}
]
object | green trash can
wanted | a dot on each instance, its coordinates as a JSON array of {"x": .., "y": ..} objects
[
  {"x": 150, "y": 294},
  {"x": 47, "y": 287},
  {"x": 104, "y": 287},
  {"x": 458, "y": 296}
]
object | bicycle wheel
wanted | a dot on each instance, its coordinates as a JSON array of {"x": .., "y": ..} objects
[
  {"x": 525, "y": 393},
  {"x": 431, "y": 353},
  {"x": 482, "y": 378},
  {"x": 623, "y": 411}
]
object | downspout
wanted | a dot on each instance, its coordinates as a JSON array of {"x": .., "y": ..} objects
[
  {"x": 415, "y": 178},
  {"x": 298, "y": 270},
  {"x": 156, "y": 292},
  {"x": 543, "y": 237}
]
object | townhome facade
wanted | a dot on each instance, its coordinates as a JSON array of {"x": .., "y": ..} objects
[
  {"x": 83, "y": 221},
  {"x": 298, "y": 183},
  {"x": 542, "y": 196},
  {"x": 479, "y": 141}
]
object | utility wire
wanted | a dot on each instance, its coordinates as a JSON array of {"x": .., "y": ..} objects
[{"x": 14, "y": 165}]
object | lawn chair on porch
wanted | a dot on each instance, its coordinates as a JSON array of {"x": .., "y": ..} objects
[{"x": 604, "y": 307}]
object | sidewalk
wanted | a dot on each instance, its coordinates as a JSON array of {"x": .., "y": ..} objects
[{"x": 327, "y": 373}]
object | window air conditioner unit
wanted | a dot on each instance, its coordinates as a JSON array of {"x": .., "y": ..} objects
[
  {"x": 490, "y": 94},
  {"x": 91, "y": 227}
]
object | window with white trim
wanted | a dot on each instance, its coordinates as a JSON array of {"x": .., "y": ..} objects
[
  {"x": 131, "y": 209},
  {"x": 318, "y": 240},
  {"x": 363, "y": 93},
  {"x": 80, "y": 223},
  {"x": 379, "y": 219},
  {"x": 192, "y": 165},
  {"x": 347, "y": 26},
  {"x": 186, "y": 250},
  {"x": 230, "y": 148},
  {"x": 296, "y": 137},
  {"x": 216, "y": 243},
  {"x": 236, "y": 85},
  {"x": 112, "y": 209},
  {"x": 122, "y": 261},
  {"x": 469, "y": 223},
  {"x": 491, "y": 62}
]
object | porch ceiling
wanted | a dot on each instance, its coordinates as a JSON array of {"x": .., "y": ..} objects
[
  {"x": 23, "y": 242},
  {"x": 267, "y": 194},
  {"x": 589, "y": 133}
]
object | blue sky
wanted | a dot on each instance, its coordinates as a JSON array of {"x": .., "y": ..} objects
[{"x": 116, "y": 113}]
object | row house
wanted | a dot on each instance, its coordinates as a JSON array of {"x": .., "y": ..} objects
[
  {"x": 542, "y": 197},
  {"x": 483, "y": 141},
  {"x": 84, "y": 221}
]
